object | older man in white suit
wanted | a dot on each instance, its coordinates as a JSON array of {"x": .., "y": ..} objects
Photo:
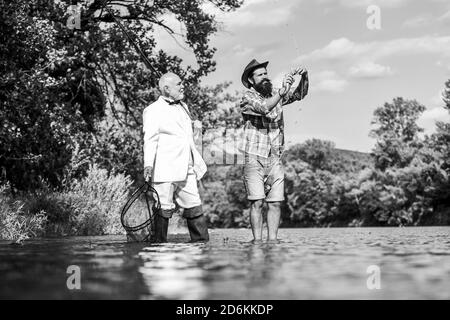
[{"x": 171, "y": 160}]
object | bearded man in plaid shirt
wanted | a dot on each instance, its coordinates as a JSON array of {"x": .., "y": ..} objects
[{"x": 262, "y": 110}]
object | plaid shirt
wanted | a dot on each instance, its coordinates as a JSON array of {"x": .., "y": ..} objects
[{"x": 264, "y": 132}]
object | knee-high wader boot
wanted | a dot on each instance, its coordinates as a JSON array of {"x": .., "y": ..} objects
[
  {"x": 161, "y": 220},
  {"x": 197, "y": 224}
]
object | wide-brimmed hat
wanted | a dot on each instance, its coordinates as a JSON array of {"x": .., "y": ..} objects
[{"x": 249, "y": 69}]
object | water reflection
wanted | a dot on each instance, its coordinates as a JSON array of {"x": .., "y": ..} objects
[
  {"x": 199, "y": 271},
  {"x": 264, "y": 259},
  {"x": 307, "y": 264},
  {"x": 174, "y": 271}
]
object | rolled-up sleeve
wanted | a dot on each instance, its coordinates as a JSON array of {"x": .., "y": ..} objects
[{"x": 253, "y": 104}]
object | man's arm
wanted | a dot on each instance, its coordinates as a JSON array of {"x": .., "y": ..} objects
[
  {"x": 151, "y": 137},
  {"x": 255, "y": 104}
]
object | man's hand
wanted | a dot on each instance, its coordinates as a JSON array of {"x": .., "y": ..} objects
[
  {"x": 197, "y": 124},
  {"x": 148, "y": 174},
  {"x": 197, "y": 132},
  {"x": 299, "y": 71},
  {"x": 288, "y": 80}
]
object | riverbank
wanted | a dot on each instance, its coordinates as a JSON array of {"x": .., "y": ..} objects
[
  {"x": 86, "y": 212},
  {"x": 91, "y": 205}
]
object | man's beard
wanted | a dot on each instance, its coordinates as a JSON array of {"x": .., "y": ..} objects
[{"x": 264, "y": 88}]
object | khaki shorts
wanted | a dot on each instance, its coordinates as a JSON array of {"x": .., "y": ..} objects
[{"x": 264, "y": 178}]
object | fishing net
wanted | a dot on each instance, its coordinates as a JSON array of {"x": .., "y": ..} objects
[{"x": 137, "y": 214}]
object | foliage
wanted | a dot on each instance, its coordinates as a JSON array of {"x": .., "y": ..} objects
[
  {"x": 88, "y": 206},
  {"x": 71, "y": 131},
  {"x": 95, "y": 202},
  {"x": 310, "y": 198},
  {"x": 440, "y": 141},
  {"x": 226, "y": 204},
  {"x": 397, "y": 133},
  {"x": 15, "y": 223},
  {"x": 329, "y": 187},
  {"x": 57, "y": 84}
]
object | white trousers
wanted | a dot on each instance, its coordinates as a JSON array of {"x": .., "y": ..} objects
[{"x": 184, "y": 192}]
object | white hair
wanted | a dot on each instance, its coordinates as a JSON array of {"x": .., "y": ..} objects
[{"x": 166, "y": 79}]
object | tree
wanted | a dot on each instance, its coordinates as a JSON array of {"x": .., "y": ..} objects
[
  {"x": 397, "y": 133},
  {"x": 57, "y": 84},
  {"x": 440, "y": 142},
  {"x": 441, "y": 139}
]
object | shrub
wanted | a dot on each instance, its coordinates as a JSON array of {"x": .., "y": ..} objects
[
  {"x": 88, "y": 206},
  {"x": 15, "y": 223},
  {"x": 310, "y": 197},
  {"x": 96, "y": 201},
  {"x": 55, "y": 207},
  {"x": 220, "y": 211}
]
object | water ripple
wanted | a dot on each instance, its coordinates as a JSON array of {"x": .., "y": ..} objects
[{"x": 305, "y": 264}]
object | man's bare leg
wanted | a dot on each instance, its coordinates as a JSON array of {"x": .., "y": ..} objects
[
  {"x": 273, "y": 220},
  {"x": 256, "y": 219}
]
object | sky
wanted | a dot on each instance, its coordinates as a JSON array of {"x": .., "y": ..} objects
[{"x": 352, "y": 68}]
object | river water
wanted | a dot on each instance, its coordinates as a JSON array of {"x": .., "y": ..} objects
[{"x": 335, "y": 263}]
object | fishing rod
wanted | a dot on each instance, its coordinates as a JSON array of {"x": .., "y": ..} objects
[
  {"x": 130, "y": 39},
  {"x": 143, "y": 231}
]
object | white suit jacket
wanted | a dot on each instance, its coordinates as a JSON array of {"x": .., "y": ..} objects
[{"x": 168, "y": 142}]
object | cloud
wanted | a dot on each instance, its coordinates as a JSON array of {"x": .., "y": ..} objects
[
  {"x": 242, "y": 51},
  {"x": 328, "y": 81},
  {"x": 173, "y": 44},
  {"x": 370, "y": 70},
  {"x": 430, "y": 116},
  {"x": 345, "y": 49},
  {"x": 166, "y": 40},
  {"x": 419, "y": 21},
  {"x": 336, "y": 49},
  {"x": 426, "y": 20},
  {"x": 255, "y": 13},
  {"x": 322, "y": 81},
  {"x": 436, "y": 112},
  {"x": 366, "y": 3},
  {"x": 445, "y": 65},
  {"x": 437, "y": 100},
  {"x": 445, "y": 17}
]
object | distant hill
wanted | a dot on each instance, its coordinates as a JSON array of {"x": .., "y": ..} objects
[
  {"x": 355, "y": 160},
  {"x": 356, "y": 154},
  {"x": 322, "y": 155},
  {"x": 338, "y": 161}
]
